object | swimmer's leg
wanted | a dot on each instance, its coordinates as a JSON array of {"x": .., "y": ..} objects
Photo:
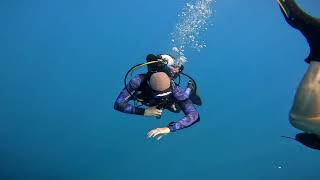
[{"x": 305, "y": 112}]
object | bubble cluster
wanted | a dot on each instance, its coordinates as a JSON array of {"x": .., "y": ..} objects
[{"x": 193, "y": 20}]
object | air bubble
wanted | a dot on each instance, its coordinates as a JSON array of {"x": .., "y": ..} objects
[{"x": 193, "y": 20}]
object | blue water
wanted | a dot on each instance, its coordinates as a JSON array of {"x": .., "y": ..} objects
[{"x": 62, "y": 65}]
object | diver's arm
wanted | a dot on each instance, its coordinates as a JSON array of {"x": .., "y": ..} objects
[
  {"x": 190, "y": 118},
  {"x": 122, "y": 102},
  {"x": 191, "y": 114}
]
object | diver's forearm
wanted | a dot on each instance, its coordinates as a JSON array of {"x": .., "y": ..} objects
[
  {"x": 128, "y": 108},
  {"x": 122, "y": 103},
  {"x": 187, "y": 121},
  {"x": 190, "y": 118}
]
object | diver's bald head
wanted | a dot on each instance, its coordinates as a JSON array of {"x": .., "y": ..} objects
[{"x": 159, "y": 81}]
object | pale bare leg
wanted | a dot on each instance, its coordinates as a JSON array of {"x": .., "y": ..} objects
[{"x": 305, "y": 112}]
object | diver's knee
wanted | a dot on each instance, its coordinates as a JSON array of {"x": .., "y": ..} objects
[
  {"x": 298, "y": 121},
  {"x": 301, "y": 122},
  {"x": 295, "y": 120},
  {"x": 307, "y": 124}
]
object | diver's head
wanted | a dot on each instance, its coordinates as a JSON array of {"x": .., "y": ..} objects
[
  {"x": 164, "y": 58},
  {"x": 159, "y": 82},
  {"x": 167, "y": 58}
]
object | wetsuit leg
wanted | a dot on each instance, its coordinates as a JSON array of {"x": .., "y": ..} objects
[{"x": 309, "y": 26}]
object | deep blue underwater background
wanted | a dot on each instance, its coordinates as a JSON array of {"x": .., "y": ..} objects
[{"x": 62, "y": 65}]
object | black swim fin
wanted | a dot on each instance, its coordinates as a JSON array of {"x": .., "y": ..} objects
[
  {"x": 309, "y": 26},
  {"x": 310, "y": 140},
  {"x": 284, "y": 7},
  {"x": 296, "y": 17}
]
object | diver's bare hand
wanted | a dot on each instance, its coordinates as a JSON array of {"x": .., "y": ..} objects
[
  {"x": 153, "y": 111},
  {"x": 158, "y": 133}
]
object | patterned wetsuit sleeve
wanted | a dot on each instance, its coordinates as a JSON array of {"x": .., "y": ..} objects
[
  {"x": 191, "y": 114},
  {"x": 122, "y": 101}
]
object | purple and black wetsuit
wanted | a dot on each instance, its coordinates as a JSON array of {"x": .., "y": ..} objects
[{"x": 179, "y": 96}]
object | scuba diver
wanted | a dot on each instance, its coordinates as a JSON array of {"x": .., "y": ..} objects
[
  {"x": 157, "y": 90},
  {"x": 166, "y": 63},
  {"x": 305, "y": 112}
]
